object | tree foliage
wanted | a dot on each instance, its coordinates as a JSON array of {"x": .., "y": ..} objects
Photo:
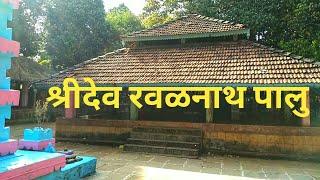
[
  {"x": 25, "y": 22},
  {"x": 156, "y": 12},
  {"x": 289, "y": 24},
  {"x": 304, "y": 23},
  {"x": 122, "y": 22},
  {"x": 77, "y": 31}
]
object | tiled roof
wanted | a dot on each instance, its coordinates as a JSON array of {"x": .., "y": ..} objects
[
  {"x": 25, "y": 69},
  {"x": 190, "y": 25},
  {"x": 224, "y": 62}
]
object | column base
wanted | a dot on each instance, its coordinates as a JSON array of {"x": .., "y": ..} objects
[
  {"x": 35, "y": 145},
  {"x": 8, "y": 147}
]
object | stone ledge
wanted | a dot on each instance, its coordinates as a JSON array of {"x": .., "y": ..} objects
[{"x": 206, "y": 127}]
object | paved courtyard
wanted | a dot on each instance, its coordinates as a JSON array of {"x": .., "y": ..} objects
[{"x": 115, "y": 164}]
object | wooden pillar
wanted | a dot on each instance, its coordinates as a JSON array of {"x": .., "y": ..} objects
[
  {"x": 183, "y": 41},
  {"x": 134, "y": 112},
  {"x": 70, "y": 113},
  {"x": 235, "y": 37},
  {"x": 24, "y": 95},
  {"x": 235, "y": 111},
  {"x": 209, "y": 112},
  {"x": 306, "y": 122},
  {"x": 287, "y": 112},
  {"x": 315, "y": 109},
  {"x": 34, "y": 97}
]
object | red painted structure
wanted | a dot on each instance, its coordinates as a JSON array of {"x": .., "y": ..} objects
[
  {"x": 10, "y": 47},
  {"x": 35, "y": 145},
  {"x": 8, "y": 147},
  {"x": 25, "y": 165},
  {"x": 9, "y": 97},
  {"x": 14, "y": 3},
  {"x": 70, "y": 113}
]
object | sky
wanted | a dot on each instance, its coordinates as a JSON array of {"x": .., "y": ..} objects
[{"x": 134, "y": 5}]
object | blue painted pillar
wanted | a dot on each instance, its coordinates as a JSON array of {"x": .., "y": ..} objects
[{"x": 8, "y": 49}]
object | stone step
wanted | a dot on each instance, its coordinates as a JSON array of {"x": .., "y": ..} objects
[
  {"x": 180, "y": 152},
  {"x": 165, "y": 137},
  {"x": 174, "y": 131},
  {"x": 161, "y": 143}
]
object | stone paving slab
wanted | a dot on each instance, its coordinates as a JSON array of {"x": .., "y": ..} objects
[{"x": 114, "y": 164}]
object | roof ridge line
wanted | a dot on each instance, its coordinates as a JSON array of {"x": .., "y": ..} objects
[
  {"x": 213, "y": 19},
  {"x": 288, "y": 54},
  {"x": 156, "y": 26},
  {"x": 199, "y": 44}
]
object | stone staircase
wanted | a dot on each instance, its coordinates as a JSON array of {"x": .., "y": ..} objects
[{"x": 165, "y": 141}]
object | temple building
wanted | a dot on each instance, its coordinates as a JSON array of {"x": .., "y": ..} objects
[
  {"x": 196, "y": 51},
  {"x": 23, "y": 73}
]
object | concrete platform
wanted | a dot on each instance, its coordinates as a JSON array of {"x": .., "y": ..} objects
[
  {"x": 8, "y": 147},
  {"x": 35, "y": 145},
  {"x": 74, "y": 171},
  {"x": 30, "y": 164}
]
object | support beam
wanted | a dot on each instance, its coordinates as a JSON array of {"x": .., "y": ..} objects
[
  {"x": 287, "y": 112},
  {"x": 315, "y": 110},
  {"x": 34, "y": 97},
  {"x": 183, "y": 41},
  {"x": 235, "y": 111},
  {"x": 209, "y": 112},
  {"x": 306, "y": 122},
  {"x": 24, "y": 95},
  {"x": 134, "y": 112},
  {"x": 235, "y": 37},
  {"x": 70, "y": 113}
]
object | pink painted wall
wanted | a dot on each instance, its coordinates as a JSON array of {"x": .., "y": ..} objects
[
  {"x": 70, "y": 113},
  {"x": 10, "y": 47},
  {"x": 14, "y": 3},
  {"x": 9, "y": 97}
]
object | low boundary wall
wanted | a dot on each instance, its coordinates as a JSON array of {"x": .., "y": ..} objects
[{"x": 217, "y": 138}]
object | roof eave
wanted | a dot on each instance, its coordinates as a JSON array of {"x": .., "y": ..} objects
[
  {"x": 249, "y": 85},
  {"x": 189, "y": 36}
]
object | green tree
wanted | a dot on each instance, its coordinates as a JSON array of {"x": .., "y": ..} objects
[
  {"x": 303, "y": 37},
  {"x": 77, "y": 31},
  {"x": 122, "y": 22},
  {"x": 263, "y": 17},
  {"x": 292, "y": 25},
  {"x": 289, "y": 24},
  {"x": 156, "y": 12},
  {"x": 25, "y": 22}
]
